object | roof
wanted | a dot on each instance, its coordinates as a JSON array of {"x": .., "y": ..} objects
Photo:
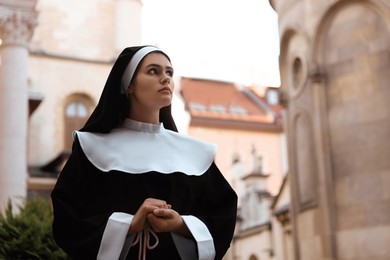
[
  {"x": 52, "y": 168},
  {"x": 282, "y": 189},
  {"x": 227, "y": 104},
  {"x": 34, "y": 100}
]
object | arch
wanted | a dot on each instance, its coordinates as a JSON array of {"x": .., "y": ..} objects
[
  {"x": 284, "y": 44},
  {"x": 379, "y": 6},
  {"x": 77, "y": 108},
  {"x": 357, "y": 80},
  {"x": 304, "y": 159}
]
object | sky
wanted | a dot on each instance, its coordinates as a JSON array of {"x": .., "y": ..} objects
[{"x": 229, "y": 40}]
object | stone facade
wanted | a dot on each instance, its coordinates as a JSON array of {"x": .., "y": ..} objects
[
  {"x": 72, "y": 52},
  {"x": 251, "y": 155},
  {"x": 242, "y": 142},
  {"x": 63, "y": 52},
  {"x": 334, "y": 61}
]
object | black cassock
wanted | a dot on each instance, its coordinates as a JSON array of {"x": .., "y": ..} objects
[{"x": 108, "y": 177}]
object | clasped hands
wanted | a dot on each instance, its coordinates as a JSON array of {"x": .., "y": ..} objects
[{"x": 159, "y": 216}]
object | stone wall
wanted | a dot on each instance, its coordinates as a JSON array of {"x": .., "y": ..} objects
[
  {"x": 58, "y": 80},
  {"x": 84, "y": 29},
  {"x": 334, "y": 65},
  {"x": 357, "y": 59},
  {"x": 72, "y": 51}
]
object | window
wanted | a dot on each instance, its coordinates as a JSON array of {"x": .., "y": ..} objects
[
  {"x": 272, "y": 97},
  {"x": 197, "y": 107},
  {"x": 76, "y": 109},
  {"x": 76, "y": 114},
  {"x": 238, "y": 110},
  {"x": 217, "y": 108}
]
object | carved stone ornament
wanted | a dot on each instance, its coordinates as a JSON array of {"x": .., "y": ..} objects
[{"x": 17, "y": 27}]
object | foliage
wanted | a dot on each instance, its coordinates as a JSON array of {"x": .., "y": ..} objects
[{"x": 28, "y": 233}]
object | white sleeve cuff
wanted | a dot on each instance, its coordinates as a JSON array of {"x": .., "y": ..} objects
[
  {"x": 115, "y": 243},
  {"x": 202, "y": 236}
]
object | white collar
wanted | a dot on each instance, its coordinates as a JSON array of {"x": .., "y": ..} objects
[
  {"x": 143, "y": 127},
  {"x": 139, "y": 147}
]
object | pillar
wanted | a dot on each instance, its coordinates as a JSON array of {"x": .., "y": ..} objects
[{"x": 16, "y": 29}]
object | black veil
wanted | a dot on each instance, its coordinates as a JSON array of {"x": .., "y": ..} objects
[{"x": 113, "y": 106}]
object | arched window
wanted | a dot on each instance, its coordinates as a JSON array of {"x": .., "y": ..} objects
[{"x": 77, "y": 111}]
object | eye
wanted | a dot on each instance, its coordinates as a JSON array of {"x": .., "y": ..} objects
[
  {"x": 169, "y": 73},
  {"x": 153, "y": 71}
]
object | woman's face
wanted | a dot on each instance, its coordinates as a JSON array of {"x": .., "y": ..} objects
[{"x": 152, "y": 86}]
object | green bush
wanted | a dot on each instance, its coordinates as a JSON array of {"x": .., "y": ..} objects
[{"x": 28, "y": 234}]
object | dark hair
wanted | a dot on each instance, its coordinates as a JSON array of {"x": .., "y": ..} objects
[{"x": 113, "y": 107}]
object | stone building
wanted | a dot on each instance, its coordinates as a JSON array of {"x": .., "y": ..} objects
[
  {"x": 244, "y": 122},
  {"x": 334, "y": 59},
  {"x": 334, "y": 64},
  {"x": 57, "y": 55},
  {"x": 59, "y": 52}
]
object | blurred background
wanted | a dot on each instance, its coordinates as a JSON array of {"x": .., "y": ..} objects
[{"x": 294, "y": 93}]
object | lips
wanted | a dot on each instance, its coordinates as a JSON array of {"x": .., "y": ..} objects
[{"x": 165, "y": 89}]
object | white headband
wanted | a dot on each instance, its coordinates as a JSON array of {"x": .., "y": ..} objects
[{"x": 130, "y": 69}]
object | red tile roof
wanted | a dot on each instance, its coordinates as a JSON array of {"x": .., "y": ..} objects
[{"x": 226, "y": 103}]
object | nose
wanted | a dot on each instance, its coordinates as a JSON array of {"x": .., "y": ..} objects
[{"x": 165, "y": 79}]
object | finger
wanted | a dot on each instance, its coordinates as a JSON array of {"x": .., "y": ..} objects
[
  {"x": 146, "y": 209},
  {"x": 159, "y": 213},
  {"x": 166, "y": 206},
  {"x": 164, "y": 213},
  {"x": 158, "y": 224},
  {"x": 167, "y": 222},
  {"x": 156, "y": 202}
]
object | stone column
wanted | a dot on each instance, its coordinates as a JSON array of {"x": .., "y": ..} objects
[
  {"x": 16, "y": 29},
  {"x": 325, "y": 177}
]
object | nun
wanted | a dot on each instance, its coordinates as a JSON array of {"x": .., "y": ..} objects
[{"x": 135, "y": 188}]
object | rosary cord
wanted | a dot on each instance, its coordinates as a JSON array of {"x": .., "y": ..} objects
[{"x": 143, "y": 238}]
